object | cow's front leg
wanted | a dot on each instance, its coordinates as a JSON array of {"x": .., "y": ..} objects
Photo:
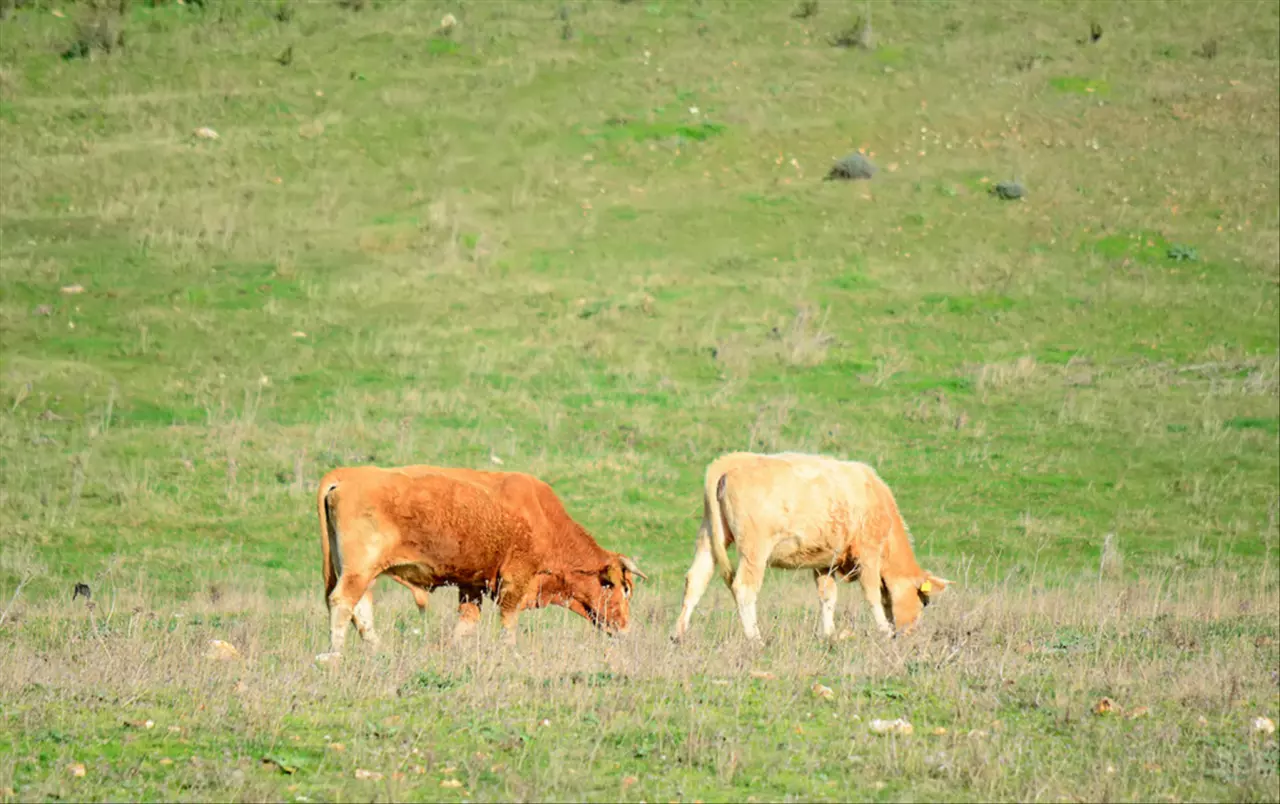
[
  {"x": 746, "y": 588},
  {"x": 870, "y": 580},
  {"x": 469, "y": 600},
  {"x": 509, "y": 623},
  {"x": 827, "y": 594},
  {"x": 515, "y": 594},
  {"x": 695, "y": 581}
]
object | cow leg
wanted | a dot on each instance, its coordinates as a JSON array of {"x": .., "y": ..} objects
[
  {"x": 746, "y": 588},
  {"x": 469, "y": 599},
  {"x": 362, "y": 615},
  {"x": 827, "y": 593},
  {"x": 695, "y": 583},
  {"x": 422, "y": 598},
  {"x": 343, "y": 600},
  {"x": 509, "y": 622},
  {"x": 870, "y": 580}
]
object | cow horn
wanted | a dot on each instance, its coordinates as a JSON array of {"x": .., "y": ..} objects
[{"x": 630, "y": 566}]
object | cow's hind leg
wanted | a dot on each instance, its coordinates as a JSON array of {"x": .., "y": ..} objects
[
  {"x": 346, "y": 595},
  {"x": 362, "y": 616},
  {"x": 870, "y": 580},
  {"x": 827, "y": 594},
  {"x": 746, "y": 589},
  {"x": 696, "y": 581},
  {"x": 469, "y": 599}
]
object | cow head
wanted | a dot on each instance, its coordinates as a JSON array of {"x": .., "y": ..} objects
[
  {"x": 603, "y": 594},
  {"x": 906, "y": 598}
]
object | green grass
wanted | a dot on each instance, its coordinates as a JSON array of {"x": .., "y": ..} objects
[{"x": 606, "y": 260}]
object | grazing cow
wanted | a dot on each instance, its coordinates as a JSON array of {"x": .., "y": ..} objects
[
  {"x": 428, "y": 527},
  {"x": 532, "y": 499},
  {"x": 795, "y": 511}
]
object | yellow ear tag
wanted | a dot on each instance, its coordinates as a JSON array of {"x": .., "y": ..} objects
[{"x": 925, "y": 587}]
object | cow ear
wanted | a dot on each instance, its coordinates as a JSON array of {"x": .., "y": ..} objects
[
  {"x": 611, "y": 574},
  {"x": 932, "y": 585}
]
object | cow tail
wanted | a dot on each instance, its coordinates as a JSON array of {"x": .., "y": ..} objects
[
  {"x": 720, "y": 532},
  {"x": 330, "y": 544}
]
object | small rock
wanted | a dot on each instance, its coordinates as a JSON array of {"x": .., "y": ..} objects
[
  {"x": 822, "y": 691},
  {"x": 76, "y": 769},
  {"x": 1008, "y": 190},
  {"x": 221, "y": 651},
  {"x": 447, "y": 23},
  {"x": 1263, "y": 724},
  {"x": 939, "y": 732},
  {"x": 896, "y": 726},
  {"x": 299, "y": 334},
  {"x": 71, "y": 290},
  {"x": 450, "y": 783},
  {"x": 206, "y": 133},
  {"x": 328, "y": 658},
  {"x": 853, "y": 166}
]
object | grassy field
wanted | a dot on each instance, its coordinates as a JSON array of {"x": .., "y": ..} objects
[{"x": 592, "y": 241}]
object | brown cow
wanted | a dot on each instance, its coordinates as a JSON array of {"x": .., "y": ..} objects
[
  {"x": 795, "y": 511},
  {"x": 428, "y": 529}
]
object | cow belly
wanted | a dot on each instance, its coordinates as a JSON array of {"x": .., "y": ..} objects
[
  {"x": 416, "y": 574},
  {"x": 429, "y": 577},
  {"x": 794, "y": 553}
]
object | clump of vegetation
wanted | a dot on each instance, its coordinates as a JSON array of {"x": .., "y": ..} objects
[
  {"x": 806, "y": 9},
  {"x": 1181, "y": 253},
  {"x": 856, "y": 35},
  {"x": 1208, "y": 49},
  {"x": 100, "y": 27},
  {"x": 853, "y": 166}
]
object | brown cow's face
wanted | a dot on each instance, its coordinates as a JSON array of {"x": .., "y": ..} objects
[{"x": 605, "y": 596}]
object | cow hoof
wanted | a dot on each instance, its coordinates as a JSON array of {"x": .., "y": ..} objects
[{"x": 328, "y": 658}]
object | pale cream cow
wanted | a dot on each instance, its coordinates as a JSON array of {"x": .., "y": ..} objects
[{"x": 796, "y": 511}]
